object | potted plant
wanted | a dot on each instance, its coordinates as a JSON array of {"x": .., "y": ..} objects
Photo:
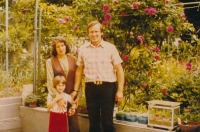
[
  {"x": 189, "y": 121},
  {"x": 143, "y": 118},
  {"x": 120, "y": 115},
  {"x": 32, "y": 99},
  {"x": 131, "y": 116}
]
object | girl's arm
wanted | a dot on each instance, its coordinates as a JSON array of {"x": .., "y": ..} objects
[{"x": 53, "y": 101}]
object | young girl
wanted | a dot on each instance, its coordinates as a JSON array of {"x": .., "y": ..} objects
[{"x": 58, "y": 121}]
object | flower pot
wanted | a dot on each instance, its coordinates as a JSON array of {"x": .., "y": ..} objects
[
  {"x": 190, "y": 127},
  {"x": 131, "y": 118},
  {"x": 33, "y": 104},
  {"x": 143, "y": 119},
  {"x": 120, "y": 116},
  {"x": 24, "y": 95}
]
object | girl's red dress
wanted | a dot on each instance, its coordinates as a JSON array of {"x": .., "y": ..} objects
[{"x": 58, "y": 122}]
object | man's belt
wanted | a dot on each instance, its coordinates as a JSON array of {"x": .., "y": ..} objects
[{"x": 99, "y": 82}]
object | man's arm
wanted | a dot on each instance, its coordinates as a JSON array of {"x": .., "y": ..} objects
[
  {"x": 77, "y": 82},
  {"x": 120, "y": 80}
]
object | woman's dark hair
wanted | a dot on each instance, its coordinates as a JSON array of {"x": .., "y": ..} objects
[{"x": 61, "y": 40}]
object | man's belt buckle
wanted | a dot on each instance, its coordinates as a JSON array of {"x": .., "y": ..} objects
[{"x": 98, "y": 82}]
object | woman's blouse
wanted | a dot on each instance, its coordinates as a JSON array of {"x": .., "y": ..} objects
[{"x": 50, "y": 74}]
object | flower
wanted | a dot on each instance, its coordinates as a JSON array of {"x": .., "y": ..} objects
[
  {"x": 67, "y": 18},
  {"x": 146, "y": 10},
  {"x": 123, "y": 14},
  {"x": 106, "y": 7},
  {"x": 156, "y": 49},
  {"x": 188, "y": 66},
  {"x": 157, "y": 57},
  {"x": 183, "y": 15},
  {"x": 105, "y": 22},
  {"x": 164, "y": 91},
  {"x": 75, "y": 27},
  {"x": 126, "y": 58},
  {"x": 62, "y": 21},
  {"x": 144, "y": 86},
  {"x": 116, "y": 2},
  {"x": 152, "y": 11},
  {"x": 107, "y": 16},
  {"x": 170, "y": 29},
  {"x": 136, "y": 5},
  {"x": 140, "y": 38}
]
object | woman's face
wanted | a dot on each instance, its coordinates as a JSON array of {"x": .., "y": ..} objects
[{"x": 60, "y": 48}]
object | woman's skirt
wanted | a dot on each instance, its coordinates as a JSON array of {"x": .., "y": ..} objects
[{"x": 58, "y": 122}]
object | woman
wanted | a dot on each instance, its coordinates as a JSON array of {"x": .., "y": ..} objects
[{"x": 62, "y": 64}]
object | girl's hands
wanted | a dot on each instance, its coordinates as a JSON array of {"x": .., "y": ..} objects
[
  {"x": 71, "y": 111},
  {"x": 58, "y": 97},
  {"x": 62, "y": 105}
]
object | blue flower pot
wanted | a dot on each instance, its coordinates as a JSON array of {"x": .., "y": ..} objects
[
  {"x": 120, "y": 116},
  {"x": 131, "y": 118},
  {"x": 143, "y": 119}
]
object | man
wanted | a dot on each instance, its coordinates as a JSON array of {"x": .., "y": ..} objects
[{"x": 101, "y": 64}]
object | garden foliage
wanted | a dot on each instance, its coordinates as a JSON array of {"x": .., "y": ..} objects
[{"x": 144, "y": 33}]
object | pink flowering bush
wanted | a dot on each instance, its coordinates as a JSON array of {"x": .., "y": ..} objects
[
  {"x": 138, "y": 29},
  {"x": 149, "y": 19}
]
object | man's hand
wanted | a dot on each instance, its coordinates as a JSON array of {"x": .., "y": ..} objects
[
  {"x": 71, "y": 111},
  {"x": 74, "y": 94},
  {"x": 119, "y": 97},
  {"x": 62, "y": 106}
]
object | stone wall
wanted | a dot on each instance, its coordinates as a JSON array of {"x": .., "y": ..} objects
[
  {"x": 37, "y": 119},
  {"x": 9, "y": 114}
]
